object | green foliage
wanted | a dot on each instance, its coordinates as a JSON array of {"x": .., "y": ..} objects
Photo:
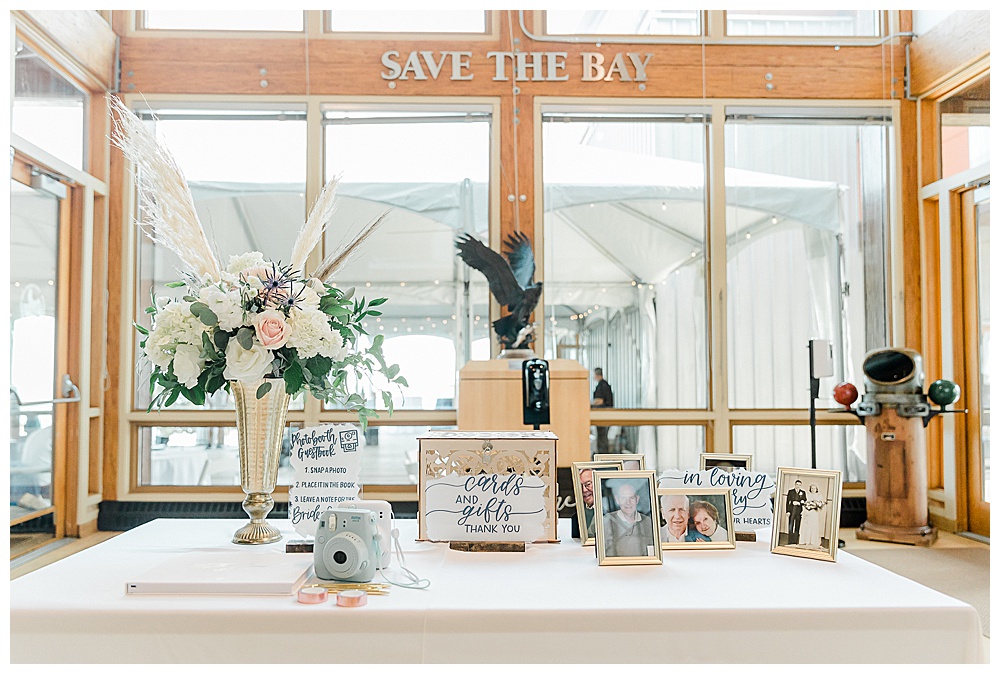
[{"x": 329, "y": 380}]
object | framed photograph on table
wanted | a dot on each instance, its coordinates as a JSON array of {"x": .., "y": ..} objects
[
  {"x": 699, "y": 518},
  {"x": 726, "y": 462},
  {"x": 629, "y": 461},
  {"x": 626, "y": 515},
  {"x": 583, "y": 491},
  {"x": 807, "y": 513}
]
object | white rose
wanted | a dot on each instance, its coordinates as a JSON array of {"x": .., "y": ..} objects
[
  {"x": 238, "y": 263},
  {"x": 247, "y": 365},
  {"x": 187, "y": 364}
]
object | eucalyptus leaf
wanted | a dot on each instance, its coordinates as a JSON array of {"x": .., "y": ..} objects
[
  {"x": 245, "y": 337},
  {"x": 263, "y": 389}
]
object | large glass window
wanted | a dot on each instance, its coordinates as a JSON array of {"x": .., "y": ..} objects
[
  {"x": 965, "y": 129},
  {"x": 438, "y": 308},
  {"x": 228, "y": 19},
  {"x": 48, "y": 110},
  {"x": 623, "y": 22},
  {"x": 246, "y": 170},
  {"x": 624, "y": 235},
  {"x": 407, "y": 21},
  {"x": 803, "y": 22}
]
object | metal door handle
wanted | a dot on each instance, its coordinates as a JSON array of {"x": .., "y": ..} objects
[{"x": 70, "y": 394}]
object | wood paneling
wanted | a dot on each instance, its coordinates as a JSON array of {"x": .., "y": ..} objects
[
  {"x": 911, "y": 224},
  {"x": 340, "y": 67},
  {"x": 955, "y": 44},
  {"x": 82, "y": 35}
]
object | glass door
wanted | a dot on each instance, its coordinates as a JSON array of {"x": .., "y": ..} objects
[
  {"x": 38, "y": 386},
  {"x": 976, "y": 227}
]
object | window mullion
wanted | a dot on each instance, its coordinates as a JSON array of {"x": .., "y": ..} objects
[{"x": 716, "y": 279}]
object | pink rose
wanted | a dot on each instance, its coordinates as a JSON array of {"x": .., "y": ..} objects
[{"x": 272, "y": 330}]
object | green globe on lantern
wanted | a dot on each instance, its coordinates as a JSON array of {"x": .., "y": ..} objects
[{"x": 944, "y": 392}]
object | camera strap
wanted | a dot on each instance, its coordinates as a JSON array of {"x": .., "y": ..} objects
[{"x": 416, "y": 582}]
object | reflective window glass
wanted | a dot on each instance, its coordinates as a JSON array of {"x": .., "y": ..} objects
[
  {"x": 803, "y": 22},
  {"x": 408, "y": 21},
  {"x": 246, "y": 170},
  {"x": 806, "y": 250},
  {"x": 228, "y": 19},
  {"x": 437, "y": 315},
  {"x": 48, "y": 110},
  {"x": 624, "y": 234},
  {"x": 837, "y": 448},
  {"x": 965, "y": 129},
  {"x": 623, "y": 22}
]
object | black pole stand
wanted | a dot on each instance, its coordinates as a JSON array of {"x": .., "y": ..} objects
[{"x": 813, "y": 394}]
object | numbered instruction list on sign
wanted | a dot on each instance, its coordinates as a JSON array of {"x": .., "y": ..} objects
[{"x": 327, "y": 461}]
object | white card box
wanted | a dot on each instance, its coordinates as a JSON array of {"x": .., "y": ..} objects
[{"x": 476, "y": 453}]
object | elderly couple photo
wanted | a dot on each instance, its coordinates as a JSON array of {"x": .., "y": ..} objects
[{"x": 696, "y": 518}]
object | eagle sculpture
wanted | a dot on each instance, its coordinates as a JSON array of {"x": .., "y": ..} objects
[{"x": 512, "y": 282}]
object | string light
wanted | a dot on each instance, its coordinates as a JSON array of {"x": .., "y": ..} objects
[
  {"x": 402, "y": 284},
  {"x": 368, "y": 284}
]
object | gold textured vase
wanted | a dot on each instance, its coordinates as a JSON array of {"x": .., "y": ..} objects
[{"x": 260, "y": 425}]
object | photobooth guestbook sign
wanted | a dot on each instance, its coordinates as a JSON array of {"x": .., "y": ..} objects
[
  {"x": 327, "y": 460},
  {"x": 488, "y": 486}
]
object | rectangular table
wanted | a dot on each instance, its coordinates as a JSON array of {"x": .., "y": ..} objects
[{"x": 552, "y": 603}]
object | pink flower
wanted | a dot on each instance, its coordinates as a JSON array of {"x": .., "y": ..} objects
[{"x": 272, "y": 330}]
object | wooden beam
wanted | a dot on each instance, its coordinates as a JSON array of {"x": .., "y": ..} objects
[
  {"x": 911, "y": 225},
  {"x": 958, "y": 43},
  {"x": 81, "y": 37},
  {"x": 154, "y": 65}
]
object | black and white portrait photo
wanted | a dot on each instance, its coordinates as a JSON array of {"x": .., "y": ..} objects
[
  {"x": 807, "y": 513},
  {"x": 627, "y": 518}
]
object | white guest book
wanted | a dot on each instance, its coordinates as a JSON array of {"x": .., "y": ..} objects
[{"x": 225, "y": 572}]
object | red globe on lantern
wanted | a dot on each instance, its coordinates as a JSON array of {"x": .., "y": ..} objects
[{"x": 845, "y": 393}]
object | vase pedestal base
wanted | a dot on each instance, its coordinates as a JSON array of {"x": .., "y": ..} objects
[{"x": 259, "y": 531}]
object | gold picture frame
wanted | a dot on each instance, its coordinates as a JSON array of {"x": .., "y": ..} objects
[
  {"x": 713, "y": 459},
  {"x": 708, "y": 507},
  {"x": 639, "y": 459},
  {"x": 796, "y": 531},
  {"x": 623, "y": 538},
  {"x": 587, "y": 527}
]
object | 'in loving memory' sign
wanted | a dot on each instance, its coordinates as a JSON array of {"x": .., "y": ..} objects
[
  {"x": 327, "y": 460},
  {"x": 485, "y": 507},
  {"x": 751, "y": 492}
]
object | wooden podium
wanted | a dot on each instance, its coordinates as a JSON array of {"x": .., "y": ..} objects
[{"x": 489, "y": 399}]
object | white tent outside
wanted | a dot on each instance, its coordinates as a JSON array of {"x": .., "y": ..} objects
[{"x": 603, "y": 234}]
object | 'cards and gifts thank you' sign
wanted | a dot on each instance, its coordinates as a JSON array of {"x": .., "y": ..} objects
[
  {"x": 488, "y": 507},
  {"x": 488, "y": 486},
  {"x": 327, "y": 460}
]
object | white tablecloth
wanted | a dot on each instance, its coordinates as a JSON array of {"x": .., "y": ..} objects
[{"x": 552, "y": 603}]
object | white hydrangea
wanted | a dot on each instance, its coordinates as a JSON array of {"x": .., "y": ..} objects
[
  {"x": 332, "y": 346},
  {"x": 309, "y": 328},
  {"x": 175, "y": 325},
  {"x": 226, "y": 304},
  {"x": 238, "y": 263}
]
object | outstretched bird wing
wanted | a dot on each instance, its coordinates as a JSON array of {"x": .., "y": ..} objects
[
  {"x": 503, "y": 285},
  {"x": 522, "y": 261}
]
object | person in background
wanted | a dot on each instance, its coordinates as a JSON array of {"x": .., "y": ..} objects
[{"x": 603, "y": 397}]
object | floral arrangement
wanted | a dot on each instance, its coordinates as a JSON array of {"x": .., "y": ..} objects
[
  {"x": 254, "y": 320},
  {"x": 813, "y": 505}
]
